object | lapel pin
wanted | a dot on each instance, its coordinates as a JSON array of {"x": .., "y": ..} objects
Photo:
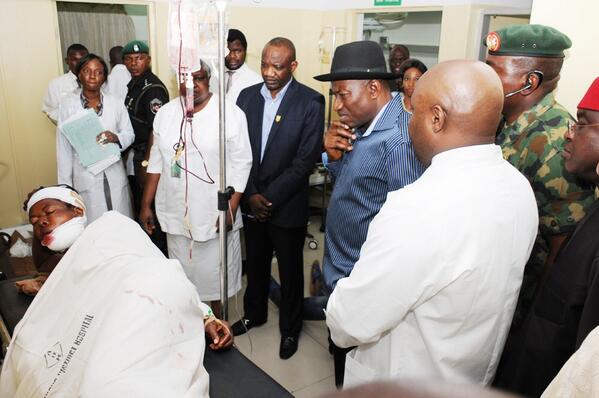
[{"x": 278, "y": 118}]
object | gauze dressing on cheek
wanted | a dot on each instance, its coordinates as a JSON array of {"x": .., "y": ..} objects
[{"x": 65, "y": 235}]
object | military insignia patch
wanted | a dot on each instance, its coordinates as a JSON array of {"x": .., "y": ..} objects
[
  {"x": 155, "y": 104},
  {"x": 493, "y": 41}
]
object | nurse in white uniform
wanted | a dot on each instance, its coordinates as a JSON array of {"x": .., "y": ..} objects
[
  {"x": 184, "y": 185},
  {"x": 109, "y": 189}
]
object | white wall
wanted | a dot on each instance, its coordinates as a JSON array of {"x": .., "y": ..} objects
[
  {"x": 578, "y": 20},
  {"x": 139, "y": 15}
]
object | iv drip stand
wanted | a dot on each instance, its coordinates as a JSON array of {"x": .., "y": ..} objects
[{"x": 223, "y": 194}]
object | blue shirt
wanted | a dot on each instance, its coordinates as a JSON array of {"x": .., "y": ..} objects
[
  {"x": 271, "y": 106},
  {"x": 382, "y": 160}
]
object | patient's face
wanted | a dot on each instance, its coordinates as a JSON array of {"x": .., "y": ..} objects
[{"x": 46, "y": 215}]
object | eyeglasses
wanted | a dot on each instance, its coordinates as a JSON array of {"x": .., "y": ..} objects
[{"x": 575, "y": 127}]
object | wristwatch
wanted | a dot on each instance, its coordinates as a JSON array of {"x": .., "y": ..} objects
[{"x": 144, "y": 163}]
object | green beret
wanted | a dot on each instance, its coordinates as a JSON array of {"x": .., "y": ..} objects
[
  {"x": 528, "y": 41},
  {"x": 136, "y": 46}
]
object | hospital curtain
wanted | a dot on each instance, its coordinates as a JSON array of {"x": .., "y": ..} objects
[{"x": 99, "y": 27}]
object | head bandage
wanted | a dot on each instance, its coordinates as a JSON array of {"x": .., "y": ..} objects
[{"x": 63, "y": 194}]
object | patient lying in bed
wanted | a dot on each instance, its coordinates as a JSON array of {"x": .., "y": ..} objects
[{"x": 115, "y": 318}]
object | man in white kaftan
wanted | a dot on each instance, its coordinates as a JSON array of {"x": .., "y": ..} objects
[
  {"x": 65, "y": 84},
  {"x": 434, "y": 290}
]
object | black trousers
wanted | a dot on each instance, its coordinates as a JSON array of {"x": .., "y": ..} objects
[
  {"x": 288, "y": 244},
  {"x": 158, "y": 237}
]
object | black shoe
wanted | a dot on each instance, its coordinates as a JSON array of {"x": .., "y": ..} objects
[
  {"x": 288, "y": 347},
  {"x": 243, "y": 325}
]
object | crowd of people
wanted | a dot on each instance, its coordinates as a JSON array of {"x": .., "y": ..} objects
[{"x": 461, "y": 233}]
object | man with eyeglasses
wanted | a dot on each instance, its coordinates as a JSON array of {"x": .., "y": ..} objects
[
  {"x": 566, "y": 307},
  {"x": 528, "y": 60}
]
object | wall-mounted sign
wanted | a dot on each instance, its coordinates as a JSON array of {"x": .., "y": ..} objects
[{"x": 383, "y": 3}]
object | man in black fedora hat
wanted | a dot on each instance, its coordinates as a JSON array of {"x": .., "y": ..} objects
[{"x": 369, "y": 153}]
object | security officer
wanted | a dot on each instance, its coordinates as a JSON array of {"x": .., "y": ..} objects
[
  {"x": 528, "y": 59},
  {"x": 146, "y": 94}
]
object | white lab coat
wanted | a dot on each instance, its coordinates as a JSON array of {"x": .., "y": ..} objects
[
  {"x": 58, "y": 88},
  {"x": 117, "y": 81},
  {"x": 91, "y": 187},
  {"x": 434, "y": 290},
  {"x": 242, "y": 78},
  {"x": 114, "y": 319}
]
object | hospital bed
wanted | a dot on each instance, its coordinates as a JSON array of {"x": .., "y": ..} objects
[{"x": 231, "y": 373}]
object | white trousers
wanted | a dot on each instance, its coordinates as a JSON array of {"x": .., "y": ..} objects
[{"x": 203, "y": 267}]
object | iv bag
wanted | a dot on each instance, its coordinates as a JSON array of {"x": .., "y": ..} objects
[{"x": 192, "y": 34}]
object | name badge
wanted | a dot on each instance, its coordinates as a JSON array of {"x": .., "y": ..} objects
[{"x": 175, "y": 170}]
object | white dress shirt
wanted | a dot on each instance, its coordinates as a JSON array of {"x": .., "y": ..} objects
[
  {"x": 57, "y": 89},
  {"x": 434, "y": 290},
  {"x": 115, "y": 119},
  {"x": 241, "y": 78},
  {"x": 116, "y": 84},
  {"x": 201, "y": 196},
  {"x": 114, "y": 319}
]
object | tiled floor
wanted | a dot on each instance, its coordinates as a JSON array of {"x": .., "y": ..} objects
[{"x": 309, "y": 373}]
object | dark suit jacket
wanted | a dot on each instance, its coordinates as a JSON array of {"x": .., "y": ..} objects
[{"x": 293, "y": 147}]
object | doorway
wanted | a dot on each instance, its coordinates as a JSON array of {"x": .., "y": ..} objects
[
  {"x": 99, "y": 27},
  {"x": 420, "y": 31}
]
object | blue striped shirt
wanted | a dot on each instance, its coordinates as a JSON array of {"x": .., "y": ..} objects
[{"x": 380, "y": 162}]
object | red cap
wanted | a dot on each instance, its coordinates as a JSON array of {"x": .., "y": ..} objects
[{"x": 590, "y": 100}]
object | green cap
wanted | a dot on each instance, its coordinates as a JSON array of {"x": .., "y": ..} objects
[
  {"x": 528, "y": 41},
  {"x": 136, "y": 46}
]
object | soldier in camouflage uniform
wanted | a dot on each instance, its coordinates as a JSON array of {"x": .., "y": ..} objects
[{"x": 528, "y": 59}]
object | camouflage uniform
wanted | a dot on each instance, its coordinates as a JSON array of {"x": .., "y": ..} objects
[{"x": 533, "y": 144}]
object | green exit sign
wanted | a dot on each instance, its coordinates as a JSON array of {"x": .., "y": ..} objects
[{"x": 382, "y": 3}]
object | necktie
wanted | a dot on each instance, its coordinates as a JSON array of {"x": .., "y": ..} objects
[{"x": 229, "y": 80}]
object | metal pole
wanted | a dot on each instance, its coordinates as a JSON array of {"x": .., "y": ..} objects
[{"x": 221, "y": 6}]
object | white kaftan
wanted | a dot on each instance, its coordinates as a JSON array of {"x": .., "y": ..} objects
[
  {"x": 117, "y": 81},
  {"x": 202, "y": 212},
  {"x": 58, "y": 88},
  {"x": 114, "y": 319},
  {"x": 115, "y": 119},
  {"x": 240, "y": 79},
  {"x": 579, "y": 377},
  {"x": 434, "y": 290}
]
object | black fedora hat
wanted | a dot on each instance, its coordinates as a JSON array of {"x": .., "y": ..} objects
[{"x": 359, "y": 60}]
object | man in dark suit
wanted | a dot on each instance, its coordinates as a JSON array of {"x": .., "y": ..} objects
[{"x": 285, "y": 124}]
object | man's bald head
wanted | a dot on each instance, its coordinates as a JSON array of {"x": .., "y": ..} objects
[
  {"x": 456, "y": 104},
  {"x": 418, "y": 389}
]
